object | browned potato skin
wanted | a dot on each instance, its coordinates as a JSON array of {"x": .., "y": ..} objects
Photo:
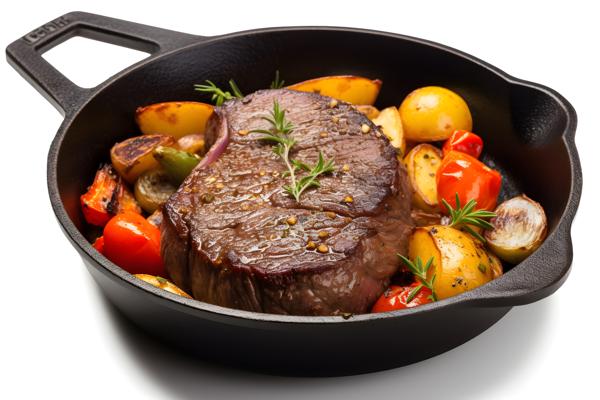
[
  {"x": 193, "y": 143},
  {"x": 176, "y": 118},
  {"x": 370, "y": 111},
  {"x": 133, "y": 156},
  {"x": 391, "y": 125},
  {"x": 351, "y": 89},
  {"x": 422, "y": 163},
  {"x": 460, "y": 262},
  {"x": 162, "y": 283}
]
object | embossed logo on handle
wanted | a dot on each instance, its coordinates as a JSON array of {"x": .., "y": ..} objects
[{"x": 46, "y": 29}]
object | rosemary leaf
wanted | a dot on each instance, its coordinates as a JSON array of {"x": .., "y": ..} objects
[{"x": 280, "y": 134}]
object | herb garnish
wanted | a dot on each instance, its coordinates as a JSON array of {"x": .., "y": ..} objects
[
  {"x": 218, "y": 95},
  {"x": 279, "y": 133},
  {"x": 277, "y": 83},
  {"x": 468, "y": 215},
  {"x": 420, "y": 272}
]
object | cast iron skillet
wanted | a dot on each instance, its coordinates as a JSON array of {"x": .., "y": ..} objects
[{"x": 528, "y": 130}]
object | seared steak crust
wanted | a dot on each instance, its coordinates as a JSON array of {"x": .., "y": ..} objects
[{"x": 231, "y": 236}]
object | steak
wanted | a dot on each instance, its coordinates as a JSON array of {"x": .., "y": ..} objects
[{"x": 233, "y": 237}]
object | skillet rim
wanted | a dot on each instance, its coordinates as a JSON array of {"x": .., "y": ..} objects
[{"x": 471, "y": 298}]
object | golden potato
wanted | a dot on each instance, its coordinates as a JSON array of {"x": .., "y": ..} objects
[
  {"x": 496, "y": 264},
  {"x": 193, "y": 143},
  {"x": 422, "y": 163},
  {"x": 176, "y": 118},
  {"x": 432, "y": 113},
  {"x": 460, "y": 262},
  {"x": 132, "y": 157},
  {"x": 370, "y": 111},
  {"x": 391, "y": 125},
  {"x": 520, "y": 227},
  {"x": 351, "y": 89},
  {"x": 162, "y": 283}
]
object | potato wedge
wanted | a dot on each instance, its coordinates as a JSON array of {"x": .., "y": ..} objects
[
  {"x": 162, "y": 283},
  {"x": 193, "y": 143},
  {"x": 352, "y": 89},
  {"x": 460, "y": 262},
  {"x": 422, "y": 163},
  {"x": 176, "y": 118},
  {"x": 520, "y": 227},
  {"x": 132, "y": 157},
  {"x": 370, "y": 111},
  {"x": 496, "y": 265},
  {"x": 391, "y": 125}
]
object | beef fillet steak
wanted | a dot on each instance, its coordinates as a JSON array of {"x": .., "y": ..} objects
[{"x": 232, "y": 236}]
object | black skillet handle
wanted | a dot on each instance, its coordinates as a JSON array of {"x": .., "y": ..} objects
[{"x": 25, "y": 54}]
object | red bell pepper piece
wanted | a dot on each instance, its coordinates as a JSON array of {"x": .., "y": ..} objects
[{"x": 465, "y": 142}]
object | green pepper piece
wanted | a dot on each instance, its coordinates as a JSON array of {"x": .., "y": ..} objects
[{"x": 176, "y": 163}]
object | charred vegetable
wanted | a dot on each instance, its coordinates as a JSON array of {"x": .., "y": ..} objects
[
  {"x": 153, "y": 189},
  {"x": 519, "y": 229},
  {"x": 177, "y": 164},
  {"x": 106, "y": 197},
  {"x": 132, "y": 157},
  {"x": 177, "y": 118},
  {"x": 351, "y": 89},
  {"x": 162, "y": 283}
]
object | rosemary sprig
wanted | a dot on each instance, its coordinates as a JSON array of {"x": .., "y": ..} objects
[
  {"x": 277, "y": 83},
  {"x": 468, "y": 215},
  {"x": 279, "y": 133},
  {"x": 310, "y": 180},
  {"x": 420, "y": 272},
  {"x": 219, "y": 96}
]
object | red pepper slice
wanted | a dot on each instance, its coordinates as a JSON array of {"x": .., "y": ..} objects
[
  {"x": 465, "y": 142},
  {"x": 107, "y": 196},
  {"x": 461, "y": 174}
]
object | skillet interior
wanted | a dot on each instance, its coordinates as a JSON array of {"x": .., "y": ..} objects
[{"x": 521, "y": 126}]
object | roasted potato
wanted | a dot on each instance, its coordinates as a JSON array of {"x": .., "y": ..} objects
[
  {"x": 191, "y": 143},
  {"x": 460, "y": 262},
  {"x": 132, "y": 157},
  {"x": 391, "y": 125},
  {"x": 432, "y": 113},
  {"x": 351, "y": 89},
  {"x": 177, "y": 118},
  {"x": 519, "y": 229},
  {"x": 162, "y": 283},
  {"x": 422, "y": 163},
  {"x": 370, "y": 111}
]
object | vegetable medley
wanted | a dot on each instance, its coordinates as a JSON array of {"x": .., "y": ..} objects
[{"x": 461, "y": 234}]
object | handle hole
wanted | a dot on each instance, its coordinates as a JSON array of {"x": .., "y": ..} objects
[{"x": 88, "y": 62}]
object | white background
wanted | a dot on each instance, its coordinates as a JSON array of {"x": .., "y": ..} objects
[{"x": 61, "y": 339}]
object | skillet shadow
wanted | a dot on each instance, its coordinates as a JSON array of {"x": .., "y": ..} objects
[{"x": 488, "y": 360}]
